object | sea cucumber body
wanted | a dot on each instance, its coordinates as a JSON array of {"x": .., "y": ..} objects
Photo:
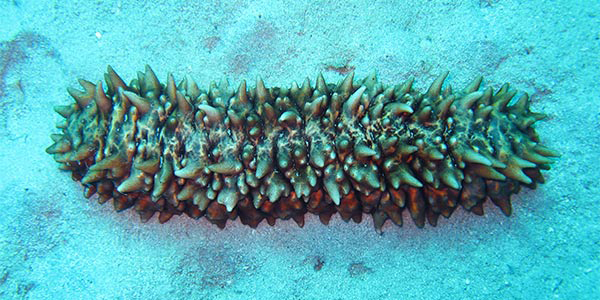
[{"x": 267, "y": 153}]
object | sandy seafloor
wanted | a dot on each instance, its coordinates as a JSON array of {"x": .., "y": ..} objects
[{"x": 55, "y": 244}]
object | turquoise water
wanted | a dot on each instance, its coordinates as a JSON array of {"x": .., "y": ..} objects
[{"x": 56, "y": 244}]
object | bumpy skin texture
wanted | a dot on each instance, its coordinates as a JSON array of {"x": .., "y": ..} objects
[{"x": 268, "y": 153}]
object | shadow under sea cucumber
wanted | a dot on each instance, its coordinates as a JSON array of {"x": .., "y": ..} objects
[{"x": 357, "y": 147}]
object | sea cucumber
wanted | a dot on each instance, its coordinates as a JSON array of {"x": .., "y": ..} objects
[{"x": 357, "y": 147}]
